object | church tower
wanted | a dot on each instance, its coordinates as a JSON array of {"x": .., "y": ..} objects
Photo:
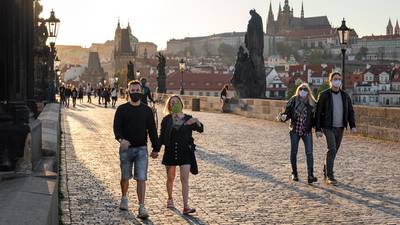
[
  {"x": 389, "y": 28},
  {"x": 397, "y": 28}
]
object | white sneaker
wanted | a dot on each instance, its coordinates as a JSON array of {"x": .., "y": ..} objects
[
  {"x": 142, "y": 212},
  {"x": 124, "y": 203}
]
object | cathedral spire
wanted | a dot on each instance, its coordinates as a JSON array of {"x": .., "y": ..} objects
[
  {"x": 302, "y": 10},
  {"x": 397, "y": 28},
  {"x": 119, "y": 24},
  {"x": 270, "y": 21},
  {"x": 389, "y": 28}
]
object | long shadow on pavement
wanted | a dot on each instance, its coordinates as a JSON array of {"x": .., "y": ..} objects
[
  {"x": 233, "y": 165},
  {"x": 192, "y": 220},
  {"x": 85, "y": 189}
]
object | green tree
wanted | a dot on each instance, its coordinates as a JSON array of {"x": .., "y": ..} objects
[{"x": 322, "y": 88}]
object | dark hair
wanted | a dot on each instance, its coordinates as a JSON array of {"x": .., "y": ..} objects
[
  {"x": 143, "y": 79},
  {"x": 331, "y": 75},
  {"x": 133, "y": 82},
  {"x": 226, "y": 87}
]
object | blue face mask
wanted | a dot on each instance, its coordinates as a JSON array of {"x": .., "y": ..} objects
[{"x": 303, "y": 93}]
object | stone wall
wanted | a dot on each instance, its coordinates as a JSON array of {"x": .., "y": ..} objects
[{"x": 376, "y": 122}]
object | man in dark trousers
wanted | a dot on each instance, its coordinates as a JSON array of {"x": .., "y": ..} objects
[
  {"x": 133, "y": 121},
  {"x": 334, "y": 113}
]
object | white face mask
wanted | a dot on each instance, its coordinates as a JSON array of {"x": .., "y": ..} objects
[
  {"x": 303, "y": 93},
  {"x": 337, "y": 83}
]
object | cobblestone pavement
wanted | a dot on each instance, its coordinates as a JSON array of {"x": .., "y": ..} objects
[{"x": 244, "y": 176}]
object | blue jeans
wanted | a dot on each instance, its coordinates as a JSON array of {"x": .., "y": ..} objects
[
  {"x": 137, "y": 157},
  {"x": 308, "y": 143}
]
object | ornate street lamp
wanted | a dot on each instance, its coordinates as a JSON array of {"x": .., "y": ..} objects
[
  {"x": 182, "y": 67},
  {"x": 344, "y": 36},
  {"x": 52, "y": 24}
]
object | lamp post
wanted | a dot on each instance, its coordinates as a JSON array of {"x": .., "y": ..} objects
[
  {"x": 52, "y": 24},
  {"x": 343, "y": 32},
  {"x": 182, "y": 68}
]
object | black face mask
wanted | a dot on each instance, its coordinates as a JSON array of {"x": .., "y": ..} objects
[{"x": 135, "y": 96}]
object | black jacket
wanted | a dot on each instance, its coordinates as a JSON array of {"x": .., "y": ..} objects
[
  {"x": 166, "y": 128},
  {"x": 324, "y": 112},
  {"x": 290, "y": 111}
]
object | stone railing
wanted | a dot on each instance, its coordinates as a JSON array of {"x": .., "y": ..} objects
[{"x": 376, "y": 122}]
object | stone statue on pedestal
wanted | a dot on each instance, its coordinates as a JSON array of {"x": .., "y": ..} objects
[{"x": 249, "y": 76}]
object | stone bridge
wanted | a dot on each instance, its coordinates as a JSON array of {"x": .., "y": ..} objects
[{"x": 244, "y": 173}]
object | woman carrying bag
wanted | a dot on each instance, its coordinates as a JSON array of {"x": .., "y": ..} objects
[{"x": 176, "y": 136}]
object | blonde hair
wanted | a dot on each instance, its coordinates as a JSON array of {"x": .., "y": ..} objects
[
  {"x": 311, "y": 99},
  {"x": 167, "y": 107}
]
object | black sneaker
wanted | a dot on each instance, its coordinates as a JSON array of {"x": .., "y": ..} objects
[
  {"x": 312, "y": 180},
  {"x": 294, "y": 177}
]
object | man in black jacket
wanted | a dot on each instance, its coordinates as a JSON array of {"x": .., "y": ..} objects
[
  {"x": 334, "y": 113},
  {"x": 133, "y": 121}
]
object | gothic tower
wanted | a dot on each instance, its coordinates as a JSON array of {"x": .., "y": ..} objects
[{"x": 389, "y": 28}]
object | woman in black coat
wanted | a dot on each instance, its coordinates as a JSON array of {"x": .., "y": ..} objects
[{"x": 176, "y": 136}]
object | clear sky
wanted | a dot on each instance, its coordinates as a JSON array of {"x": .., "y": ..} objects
[{"x": 94, "y": 21}]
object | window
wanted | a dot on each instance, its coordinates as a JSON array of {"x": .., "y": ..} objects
[
  {"x": 216, "y": 94},
  {"x": 191, "y": 93},
  {"x": 207, "y": 93},
  {"x": 201, "y": 93}
]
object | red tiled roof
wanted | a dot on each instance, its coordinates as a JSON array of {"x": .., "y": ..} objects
[{"x": 198, "y": 81}]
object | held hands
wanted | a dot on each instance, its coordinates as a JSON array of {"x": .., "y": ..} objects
[
  {"x": 283, "y": 117},
  {"x": 125, "y": 144},
  {"x": 353, "y": 130},
  {"x": 154, "y": 155},
  {"x": 318, "y": 134}
]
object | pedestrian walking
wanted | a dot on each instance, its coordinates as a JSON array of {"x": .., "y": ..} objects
[
  {"x": 176, "y": 136},
  {"x": 114, "y": 97},
  {"x": 80, "y": 94},
  {"x": 300, "y": 110},
  {"x": 68, "y": 94},
  {"x": 334, "y": 113},
  {"x": 133, "y": 122},
  {"x": 74, "y": 96}
]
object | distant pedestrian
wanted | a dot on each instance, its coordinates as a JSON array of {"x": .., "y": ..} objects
[
  {"x": 62, "y": 95},
  {"x": 68, "y": 93},
  {"x": 176, "y": 136},
  {"x": 80, "y": 94},
  {"x": 99, "y": 94},
  {"x": 74, "y": 96},
  {"x": 146, "y": 92},
  {"x": 89, "y": 91},
  {"x": 133, "y": 121},
  {"x": 300, "y": 109},
  {"x": 224, "y": 98},
  {"x": 334, "y": 113},
  {"x": 114, "y": 97},
  {"x": 106, "y": 96}
]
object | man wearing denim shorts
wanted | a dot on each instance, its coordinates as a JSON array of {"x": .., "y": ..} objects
[{"x": 133, "y": 122}]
